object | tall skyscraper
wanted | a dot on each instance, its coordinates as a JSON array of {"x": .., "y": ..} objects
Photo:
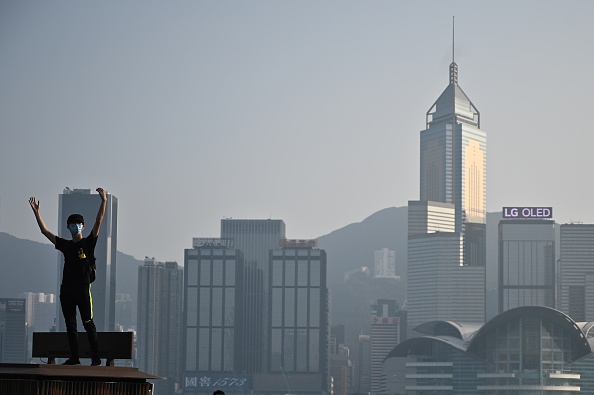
[
  {"x": 82, "y": 201},
  {"x": 447, "y": 227},
  {"x": 213, "y": 317},
  {"x": 454, "y": 155},
  {"x": 298, "y": 321},
  {"x": 576, "y": 267},
  {"x": 13, "y": 331},
  {"x": 526, "y": 263},
  {"x": 160, "y": 295},
  {"x": 255, "y": 238}
]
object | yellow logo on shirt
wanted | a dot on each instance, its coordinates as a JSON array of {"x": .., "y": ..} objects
[{"x": 81, "y": 254}]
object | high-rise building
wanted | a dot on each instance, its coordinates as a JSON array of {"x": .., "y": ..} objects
[
  {"x": 298, "y": 322},
  {"x": 454, "y": 155},
  {"x": 526, "y": 263},
  {"x": 447, "y": 226},
  {"x": 385, "y": 335},
  {"x": 160, "y": 287},
  {"x": 384, "y": 263},
  {"x": 363, "y": 365},
  {"x": 213, "y": 325},
  {"x": 40, "y": 310},
  {"x": 439, "y": 284},
  {"x": 254, "y": 238},
  {"x": 13, "y": 331},
  {"x": 576, "y": 267},
  {"x": 82, "y": 201}
]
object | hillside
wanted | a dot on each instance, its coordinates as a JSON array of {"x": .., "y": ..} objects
[{"x": 29, "y": 266}]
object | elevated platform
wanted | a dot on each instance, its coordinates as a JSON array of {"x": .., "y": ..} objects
[{"x": 78, "y": 379}]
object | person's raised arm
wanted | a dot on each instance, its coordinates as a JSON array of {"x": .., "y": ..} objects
[
  {"x": 101, "y": 212},
  {"x": 35, "y": 206}
]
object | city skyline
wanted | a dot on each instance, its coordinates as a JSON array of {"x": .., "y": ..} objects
[{"x": 249, "y": 96}]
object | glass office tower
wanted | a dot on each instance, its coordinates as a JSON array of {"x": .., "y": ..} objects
[
  {"x": 298, "y": 321},
  {"x": 526, "y": 263}
]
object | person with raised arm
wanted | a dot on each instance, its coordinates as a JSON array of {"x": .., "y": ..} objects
[{"x": 77, "y": 276}]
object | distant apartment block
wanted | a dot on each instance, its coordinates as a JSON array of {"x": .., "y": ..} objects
[
  {"x": 160, "y": 288},
  {"x": 384, "y": 264}
]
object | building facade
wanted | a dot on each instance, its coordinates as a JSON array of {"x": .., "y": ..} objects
[
  {"x": 440, "y": 286},
  {"x": 82, "y": 201},
  {"x": 362, "y": 364},
  {"x": 576, "y": 266},
  {"x": 446, "y": 276},
  {"x": 13, "y": 331},
  {"x": 213, "y": 318},
  {"x": 255, "y": 238},
  {"x": 160, "y": 295},
  {"x": 385, "y": 335},
  {"x": 298, "y": 322},
  {"x": 526, "y": 263}
]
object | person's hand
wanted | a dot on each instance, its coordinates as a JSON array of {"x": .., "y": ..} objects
[
  {"x": 34, "y": 204},
  {"x": 102, "y": 193}
]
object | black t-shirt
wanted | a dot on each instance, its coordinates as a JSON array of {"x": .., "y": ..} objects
[{"x": 77, "y": 259}]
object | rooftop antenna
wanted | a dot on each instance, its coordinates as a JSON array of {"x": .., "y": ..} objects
[
  {"x": 453, "y": 66},
  {"x": 453, "y": 36}
]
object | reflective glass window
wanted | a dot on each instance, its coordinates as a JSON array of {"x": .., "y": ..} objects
[
  {"x": 191, "y": 347},
  {"x": 217, "y": 272},
  {"x": 314, "y": 350},
  {"x": 192, "y": 272},
  {"x": 228, "y": 349},
  {"x": 276, "y": 350},
  {"x": 229, "y": 306},
  {"x": 289, "y": 307},
  {"x": 289, "y": 350},
  {"x": 277, "y": 273},
  {"x": 277, "y": 307},
  {"x": 205, "y": 306},
  {"x": 302, "y": 273},
  {"x": 203, "y": 349},
  {"x": 314, "y": 273},
  {"x": 230, "y": 272},
  {"x": 192, "y": 306},
  {"x": 301, "y": 351},
  {"x": 290, "y": 273},
  {"x": 314, "y": 307},
  {"x": 217, "y": 306},
  {"x": 302, "y": 304},
  {"x": 205, "y": 272},
  {"x": 216, "y": 354}
]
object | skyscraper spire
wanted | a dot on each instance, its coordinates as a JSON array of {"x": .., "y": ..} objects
[{"x": 453, "y": 66}]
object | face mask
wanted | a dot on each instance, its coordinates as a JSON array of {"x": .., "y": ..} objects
[{"x": 75, "y": 228}]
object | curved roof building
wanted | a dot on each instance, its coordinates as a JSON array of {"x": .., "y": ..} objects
[{"x": 528, "y": 350}]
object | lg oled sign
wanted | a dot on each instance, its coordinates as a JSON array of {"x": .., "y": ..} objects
[{"x": 528, "y": 212}]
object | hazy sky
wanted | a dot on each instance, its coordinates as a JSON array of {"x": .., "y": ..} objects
[{"x": 306, "y": 111}]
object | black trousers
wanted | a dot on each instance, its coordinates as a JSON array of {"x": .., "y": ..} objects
[{"x": 71, "y": 297}]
